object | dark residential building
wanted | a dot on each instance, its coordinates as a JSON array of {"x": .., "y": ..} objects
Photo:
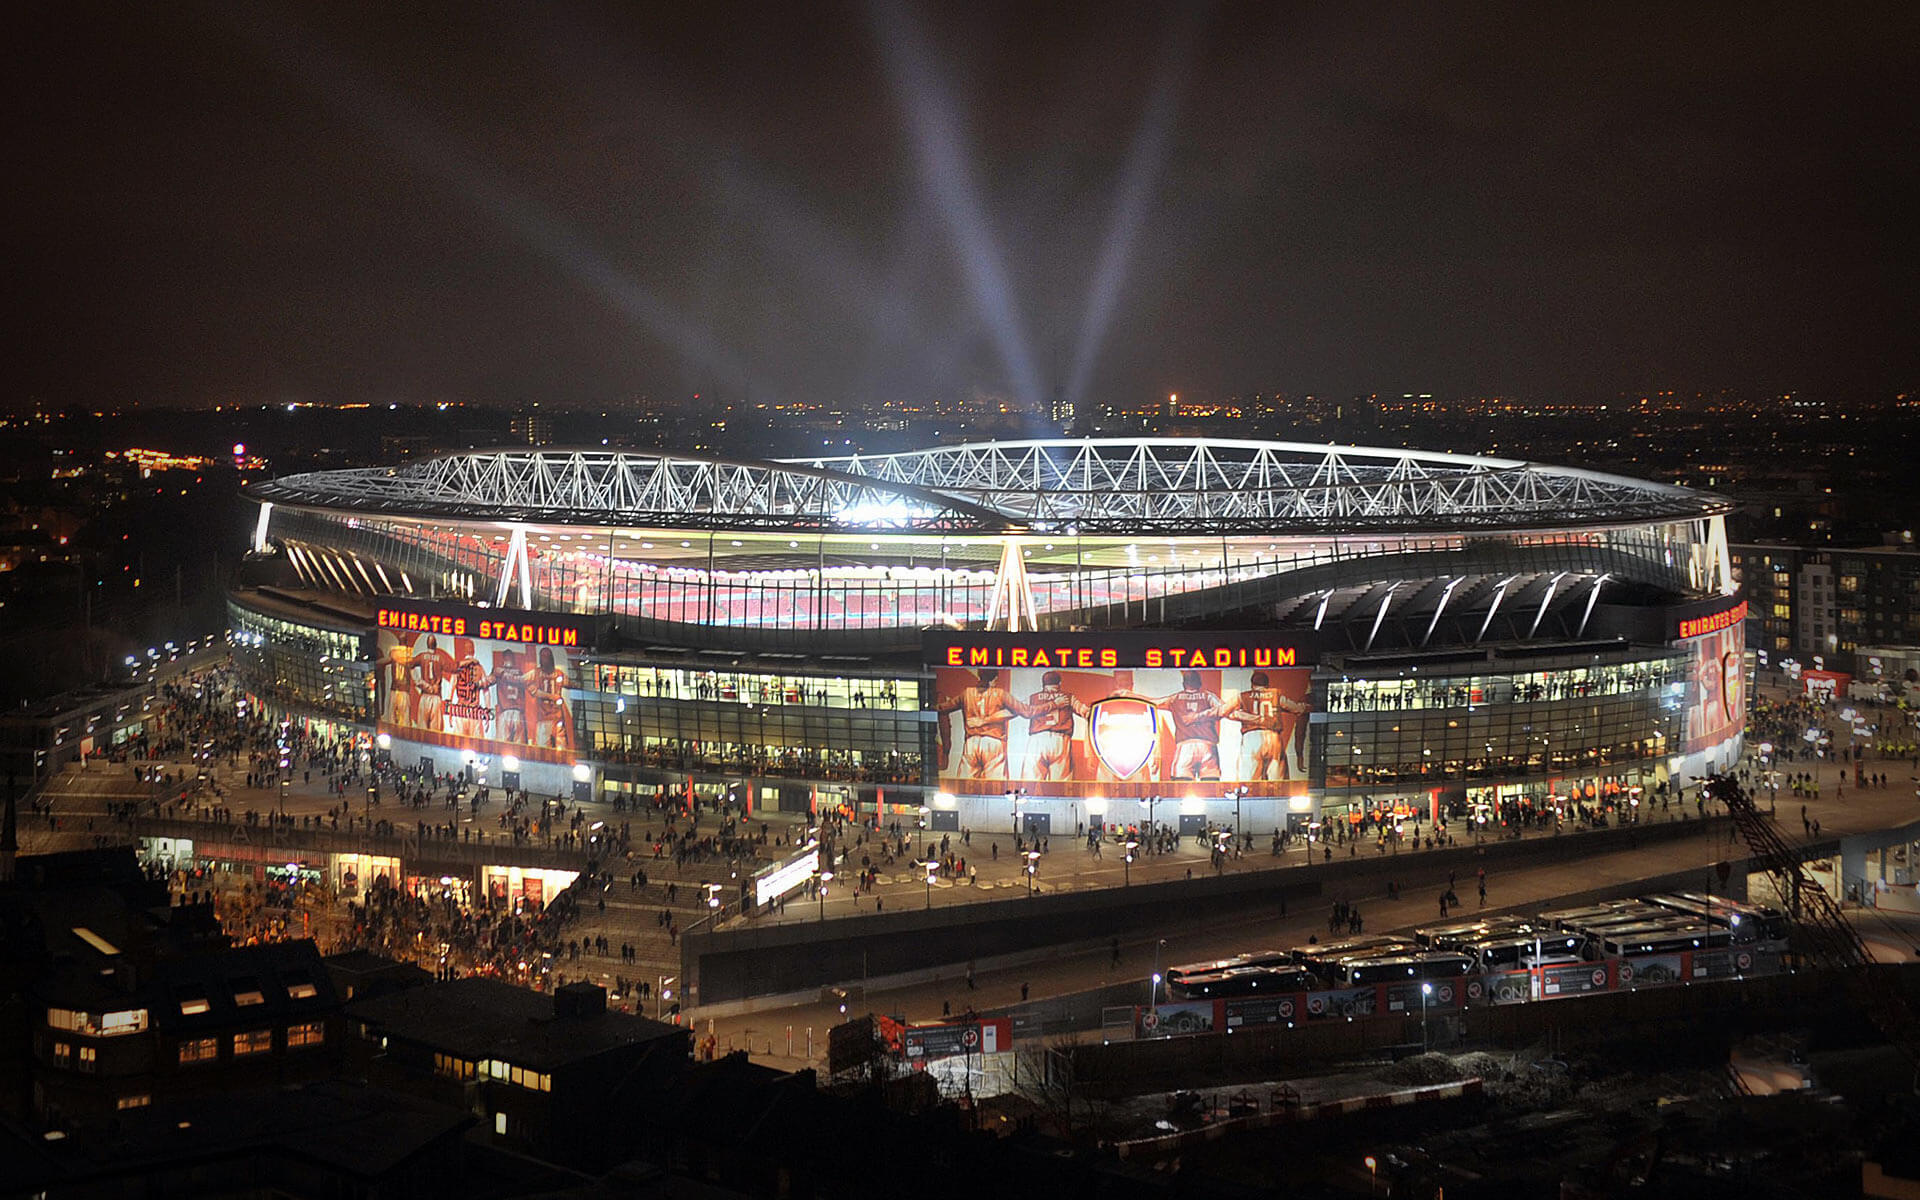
[
  {"x": 1819, "y": 601},
  {"x": 552, "y": 1076},
  {"x": 346, "y": 1141},
  {"x": 362, "y": 974},
  {"x": 126, "y": 1001}
]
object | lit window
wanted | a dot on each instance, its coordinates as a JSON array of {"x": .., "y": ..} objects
[
  {"x": 302, "y": 990},
  {"x": 193, "y": 1006},
  {"x": 116, "y": 1024},
  {"x": 453, "y": 1067},
  {"x": 254, "y": 1041},
  {"x": 311, "y": 1033},
  {"x": 246, "y": 993},
  {"x": 89, "y": 1057},
  {"x": 199, "y": 1050},
  {"x": 500, "y": 1123},
  {"x": 140, "y": 1101},
  {"x": 62, "y": 1054},
  {"x": 532, "y": 1081}
]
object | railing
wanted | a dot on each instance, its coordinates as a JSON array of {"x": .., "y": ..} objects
[
  {"x": 401, "y": 843},
  {"x": 407, "y": 844}
]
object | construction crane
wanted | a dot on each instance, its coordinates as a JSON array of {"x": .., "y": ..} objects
[{"x": 1825, "y": 938}]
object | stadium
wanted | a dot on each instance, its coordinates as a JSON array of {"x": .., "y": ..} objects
[{"x": 1049, "y": 635}]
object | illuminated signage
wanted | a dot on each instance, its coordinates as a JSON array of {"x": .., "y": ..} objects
[
  {"x": 778, "y": 881},
  {"x": 1130, "y": 649},
  {"x": 500, "y": 628},
  {"x": 1124, "y": 714},
  {"x": 1713, "y": 622}
]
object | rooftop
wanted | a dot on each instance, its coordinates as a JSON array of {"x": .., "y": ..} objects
[
  {"x": 480, "y": 1018},
  {"x": 1093, "y": 487}
]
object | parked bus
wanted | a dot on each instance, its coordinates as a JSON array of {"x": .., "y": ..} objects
[
  {"x": 1748, "y": 922},
  {"x": 1657, "y": 939},
  {"x": 1244, "y": 981},
  {"x": 1316, "y": 957},
  {"x": 1400, "y": 968},
  {"x": 1573, "y": 918},
  {"x": 1640, "y": 914},
  {"x": 1450, "y": 937},
  {"x": 1177, "y": 975},
  {"x": 1510, "y": 953}
]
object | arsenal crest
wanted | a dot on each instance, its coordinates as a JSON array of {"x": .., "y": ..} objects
[{"x": 1125, "y": 732}]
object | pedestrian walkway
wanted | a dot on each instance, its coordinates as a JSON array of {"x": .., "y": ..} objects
[{"x": 1194, "y": 938}]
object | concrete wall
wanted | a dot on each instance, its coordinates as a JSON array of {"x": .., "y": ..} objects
[{"x": 745, "y": 961}]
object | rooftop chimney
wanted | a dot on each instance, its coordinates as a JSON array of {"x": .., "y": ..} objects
[{"x": 580, "y": 999}]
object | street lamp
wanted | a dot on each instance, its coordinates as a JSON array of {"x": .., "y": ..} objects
[
  {"x": 1014, "y": 796},
  {"x": 1126, "y": 861},
  {"x": 932, "y": 868},
  {"x": 662, "y": 994},
  {"x": 825, "y": 878},
  {"x": 1235, "y": 795},
  {"x": 1153, "y": 991},
  {"x": 1033, "y": 865},
  {"x": 1426, "y": 992}
]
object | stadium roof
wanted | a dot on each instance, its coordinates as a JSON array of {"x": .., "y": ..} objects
[{"x": 1106, "y": 486}]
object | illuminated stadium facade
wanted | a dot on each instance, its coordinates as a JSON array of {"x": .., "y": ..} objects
[{"x": 1430, "y": 630}]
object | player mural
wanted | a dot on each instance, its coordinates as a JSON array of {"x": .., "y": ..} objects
[
  {"x": 1719, "y": 704},
  {"x": 481, "y": 694},
  {"x": 1088, "y": 727}
]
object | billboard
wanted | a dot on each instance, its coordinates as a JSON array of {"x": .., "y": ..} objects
[
  {"x": 1121, "y": 715},
  {"x": 503, "y": 692},
  {"x": 989, "y": 1035},
  {"x": 1718, "y": 710}
]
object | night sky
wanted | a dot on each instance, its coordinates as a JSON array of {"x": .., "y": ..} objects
[{"x": 842, "y": 204}]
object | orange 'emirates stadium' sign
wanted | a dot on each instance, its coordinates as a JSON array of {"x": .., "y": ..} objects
[
  {"x": 538, "y": 631},
  {"x": 1713, "y": 622},
  {"x": 1039, "y": 651}
]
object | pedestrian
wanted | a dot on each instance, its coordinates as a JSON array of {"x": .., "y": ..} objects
[
  {"x": 1023, "y": 993},
  {"x": 1114, "y": 946},
  {"x": 1483, "y": 893},
  {"x": 1443, "y": 904}
]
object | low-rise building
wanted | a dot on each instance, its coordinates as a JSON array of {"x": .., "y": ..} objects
[{"x": 546, "y": 1075}]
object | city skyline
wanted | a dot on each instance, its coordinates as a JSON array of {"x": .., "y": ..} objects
[{"x": 852, "y": 206}]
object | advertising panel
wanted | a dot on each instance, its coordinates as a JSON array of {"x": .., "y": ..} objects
[
  {"x": 493, "y": 684},
  {"x": 1264, "y": 1010},
  {"x": 1120, "y": 715},
  {"x": 1719, "y": 706},
  {"x": 992, "y": 1035},
  {"x": 1341, "y": 1002},
  {"x": 783, "y": 877},
  {"x": 1182, "y": 1017},
  {"x": 1574, "y": 979},
  {"x": 1651, "y": 970}
]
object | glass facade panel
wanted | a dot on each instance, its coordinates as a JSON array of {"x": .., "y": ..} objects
[{"x": 1593, "y": 721}]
